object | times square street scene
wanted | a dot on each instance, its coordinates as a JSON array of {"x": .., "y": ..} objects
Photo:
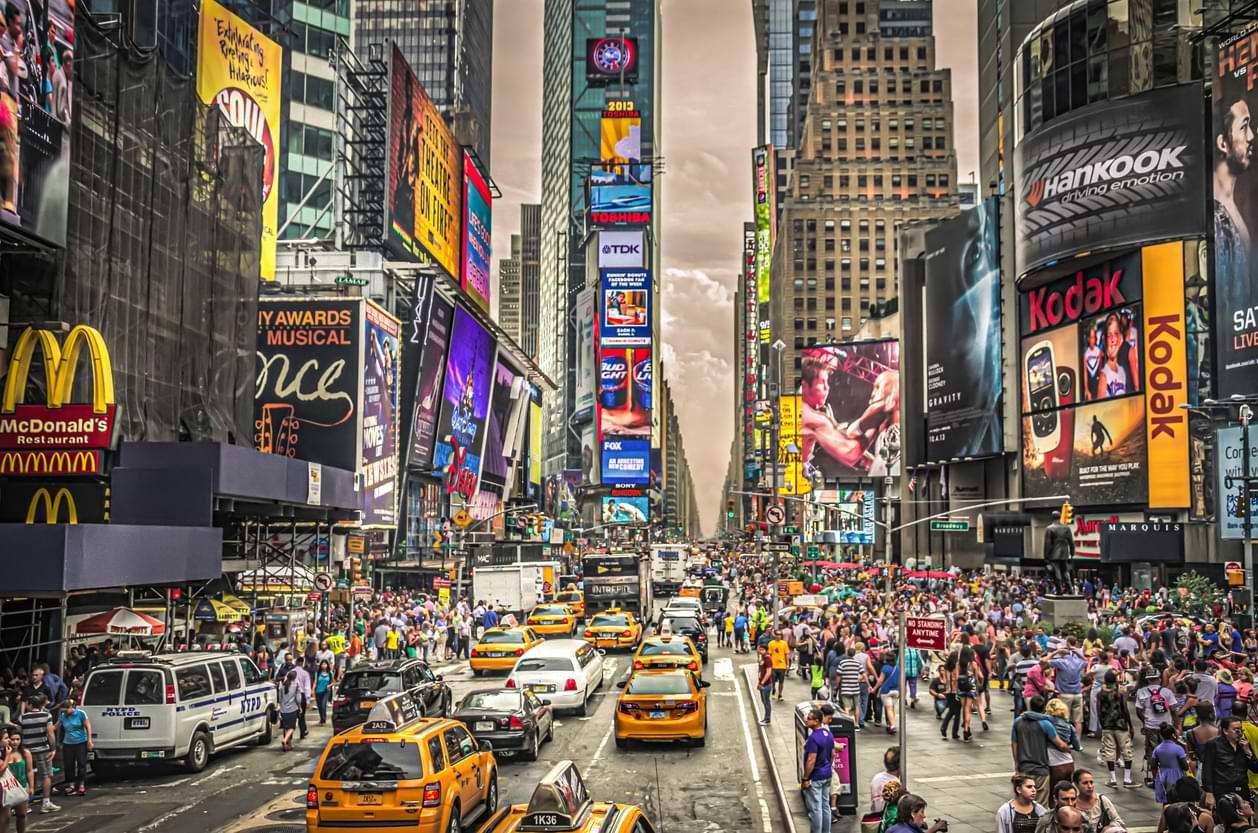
[{"x": 500, "y": 416}]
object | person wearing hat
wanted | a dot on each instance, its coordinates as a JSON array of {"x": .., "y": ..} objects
[{"x": 1224, "y": 693}]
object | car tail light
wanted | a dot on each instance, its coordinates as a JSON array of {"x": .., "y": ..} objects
[
  {"x": 588, "y": 633},
  {"x": 170, "y": 695},
  {"x": 340, "y": 702},
  {"x": 637, "y": 663},
  {"x": 692, "y": 665},
  {"x": 626, "y": 634},
  {"x": 432, "y": 794},
  {"x": 703, "y": 637},
  {"x": 519, "y": 652},
  {"x": 510, "y": 682},
  {"x": 570, "y": 685},
  {"x": 628, "y": 707},
  {"x": 687, "y": 706},
  {"x": 475, "y": 652},
  {"x": 516, "y": 722},
  {"x": 312, "y": 797}
]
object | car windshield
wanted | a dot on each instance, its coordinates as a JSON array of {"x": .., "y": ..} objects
[
  {"x": 658, "y": 684},
  {"x": 550, "y": 610},
  {"x": 503, "y": 636},
  {"x": 493, "y": 701},
  {"x": 371, "y": 681},
  {"x": 687, "y": 624},
  {"x": 544, "y": 664},
  {"x": 610, "y": 622},
  {"x": 568, "y": 597},
  {"x": 674, "y": 648},
  {"x": 382, "y": 760}
]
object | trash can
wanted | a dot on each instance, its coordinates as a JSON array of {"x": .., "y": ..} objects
[{"x": 844, "y": 730}]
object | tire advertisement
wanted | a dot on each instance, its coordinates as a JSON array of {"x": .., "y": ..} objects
[{"x": 963, "y": 373}]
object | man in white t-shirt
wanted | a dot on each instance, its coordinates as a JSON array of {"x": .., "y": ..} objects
[
  {"x": 1154, "y": 704},
  {"x": 890, "y": 772}
]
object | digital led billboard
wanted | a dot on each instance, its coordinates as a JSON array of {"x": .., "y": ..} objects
[{"x": 850, "y": 410}]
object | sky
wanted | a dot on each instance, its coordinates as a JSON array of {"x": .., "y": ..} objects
[{"x": 708, "y": 122}]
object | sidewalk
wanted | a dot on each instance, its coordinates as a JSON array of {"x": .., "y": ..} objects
[{"x": 964, "y": 783}]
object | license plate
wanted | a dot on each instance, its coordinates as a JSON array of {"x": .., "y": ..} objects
[
  {"x": 494, "y": 654},
  {"x": 546, "y": 689},
  {"x": 158, "y": 754},
  {"x": 136, "y": 723},
  {"x": 484, "y": 726},
  {"x": 658, "y": 715},
  {"x": 374, "y": 799},
  {"x": 366, "y": 705}
]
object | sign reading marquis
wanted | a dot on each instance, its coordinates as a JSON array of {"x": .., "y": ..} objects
[{"x": 58, "y": 437}]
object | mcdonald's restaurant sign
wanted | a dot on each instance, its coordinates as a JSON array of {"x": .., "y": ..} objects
[
  {"x": 65, "y": 502},
  {"x": 61, "y": 436}
]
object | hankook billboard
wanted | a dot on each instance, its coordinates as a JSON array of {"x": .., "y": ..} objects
[
  {"x": 1111, "y": 175},
  {"x": 963, "y": 327}
]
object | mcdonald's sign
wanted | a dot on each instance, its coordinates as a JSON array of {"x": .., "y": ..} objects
[
  {"x": 59, "y": 436},
  {"x": 52, "y": 507}
]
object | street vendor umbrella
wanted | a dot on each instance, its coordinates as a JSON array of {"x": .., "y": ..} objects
[{"x": 120, "y": 620}]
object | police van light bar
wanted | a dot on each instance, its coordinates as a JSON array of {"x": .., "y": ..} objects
[
  {"x": 393, "y": 713},
  {"x": 560, "y": 801}
]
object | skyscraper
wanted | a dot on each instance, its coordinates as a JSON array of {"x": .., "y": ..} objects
[
  {"x": 572, "y": 109},
  {"x": 530, "y": 275},
  {"x": 876, "y": 151},
  {"x": 509, "y": 290},
  {"x": 784, "y": 33},
  {"x": 449, "y": 45}
]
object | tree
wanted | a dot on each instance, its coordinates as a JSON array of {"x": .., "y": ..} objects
[{"x": 1197, "y": 594}]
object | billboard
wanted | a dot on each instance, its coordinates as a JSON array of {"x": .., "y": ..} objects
[
  {"x": 850, "y": 409},
  {"x": 626, "y": 307},
  {"x": 621, "y": 197},
  {"x": 1111, "y": 175},
  {"x": 790, "y": 456},
  {"x": 465, "y": 404},
  {"x": 478, "y": 217},
  {"x": 1104, "y": 369},
  {"x": 238, "y": 71},
  {"x": 626, "y": 462},
  {"x": 624, "y": 392},
  {"x": 382, "y": 337},
  {"x": 856, "y": 507},
  {"x": 620, "y": 140},
  {"x": 494, "y": 469},
  {"x": 1235, "y": 193},
  {"x": 626, "y": 510},
  {"x": 963, "y": 329},
  {"x": 583, "y": 398},
  {"x": 535, "y": 443},
  {"x": 621, "y": 249},
  {"x": 309, "y": 384},
  {"x": 424, "y": 210},
  {"x": 1229, "y": 470},
  {"x": 609, "y": 60},
  {"x": 432, "y": 366},
  {"x": 764, "y": 181}
]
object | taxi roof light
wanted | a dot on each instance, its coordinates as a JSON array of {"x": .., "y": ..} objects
[{"x": 560, "y": 801}]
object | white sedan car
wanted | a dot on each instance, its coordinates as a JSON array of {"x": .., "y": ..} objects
[
  {"x": 561, "y": 672},
  {"x": 684, "y": 606}
]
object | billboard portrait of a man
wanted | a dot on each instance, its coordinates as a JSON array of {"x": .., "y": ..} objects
[{"x": 850, "y": 410}]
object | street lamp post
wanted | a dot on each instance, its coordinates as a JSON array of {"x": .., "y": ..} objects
[
  {"x": 778, "y": 347},
  {"x": 1247, "y": 414}
]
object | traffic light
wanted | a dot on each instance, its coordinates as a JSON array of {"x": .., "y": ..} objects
[
  {"x": 1067, "y": 513},
  {"x": 356, "y": 569},
  {"x": 729, "y": 509}
]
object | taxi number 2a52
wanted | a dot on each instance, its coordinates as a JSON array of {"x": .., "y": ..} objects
[{"x": 250, "y": 704}]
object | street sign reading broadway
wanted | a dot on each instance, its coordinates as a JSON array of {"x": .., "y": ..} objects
[
  {"x": 926, "y": 634},
  {"x": 1110, "y": 176}
]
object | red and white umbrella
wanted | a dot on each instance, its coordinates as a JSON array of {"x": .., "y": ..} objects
[{"x": 121, "y": 620}]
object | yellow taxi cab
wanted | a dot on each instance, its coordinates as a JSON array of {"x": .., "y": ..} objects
[
  {"x": 669, "y": 651},
  {"x": 499, "y": 648},
  {"x": 690, "y": 590},
  {"x": 662, "y": 704},
  {"x": 574, "y": 599},
  {"x": 401, "y": 770},
  {"x": 561, "y": 804},
  {"x": 552, "y": 620},
  {"x": 613, "y": 628}
]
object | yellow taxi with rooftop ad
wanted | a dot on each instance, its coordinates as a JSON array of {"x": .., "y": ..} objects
[
  {"x": 613, "y": 628},
  {"x": 400, "y": 770},
  {"x": 549, "y": 620},
  {"x": 668, "y": 651},
  {"x": 561, "y": 803},
  {"x": 662, "y": 704},
  {"x": 499, "y": 648},
  {"x": 574, "y": 599}
]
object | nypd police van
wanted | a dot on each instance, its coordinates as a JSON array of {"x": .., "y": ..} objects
[{"x": 176, "y": 707}]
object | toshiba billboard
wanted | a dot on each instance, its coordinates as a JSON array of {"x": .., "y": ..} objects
[{"x": 1110, "y": 176}]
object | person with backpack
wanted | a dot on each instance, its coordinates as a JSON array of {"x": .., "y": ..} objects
[
  {"x": 1096, "y": 808},
  {"x": 1154, "y": 702},
  {"x": 1117, "y": 732}
]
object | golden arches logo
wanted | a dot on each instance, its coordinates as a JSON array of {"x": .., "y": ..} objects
[
  {"x": 52, "y": 506},
  {"x": 49, "y": 462},
  {"x": 60, "y": 363}
]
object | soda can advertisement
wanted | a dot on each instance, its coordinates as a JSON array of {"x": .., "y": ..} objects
[
  {"x": 624, "y": 392},
  {"x": 626, "y": 308}
]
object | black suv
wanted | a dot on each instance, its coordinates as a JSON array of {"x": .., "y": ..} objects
[
  {"x": 687, "y": 626},
  {"x": 365, "y": 684}
]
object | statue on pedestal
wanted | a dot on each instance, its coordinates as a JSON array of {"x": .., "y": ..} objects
[{"x": 1059, "y": 548}]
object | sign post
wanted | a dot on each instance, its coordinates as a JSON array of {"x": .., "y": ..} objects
[
  {"x": 902, "y": 704},
  {"x": 919, "y": 633}
]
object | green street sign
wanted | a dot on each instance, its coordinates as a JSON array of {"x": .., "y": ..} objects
[
  {"x": 791, "y": 530},
  {"x": 950, "y": 526}
]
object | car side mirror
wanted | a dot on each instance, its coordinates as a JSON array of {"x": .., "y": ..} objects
[
  {"x": 602, "y": 653},
  {"x": 705, "y": 684},
  {"x": 486, "y": 746},
  {"x": 621, "y": 683},
  {"x": 439, "y": 677}
]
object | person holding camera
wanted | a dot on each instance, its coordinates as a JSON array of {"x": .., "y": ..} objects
[{"x": 911, "y": 817}]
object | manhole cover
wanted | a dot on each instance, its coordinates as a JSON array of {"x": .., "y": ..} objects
[{"x": 294, "y": 814}]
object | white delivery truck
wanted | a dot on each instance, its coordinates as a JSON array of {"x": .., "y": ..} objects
[
  {"x": 668, "y": 568},
  {"x": 515, "y": 588}
]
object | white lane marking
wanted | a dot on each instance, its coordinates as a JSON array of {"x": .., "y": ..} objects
[
  {"x": 981, "y": 776},
  {"x": 215, "y": 774},
  {"x": 166, "y": 785},
  {"x": 751, "y": 758},
  {"x": 723, "y": 669}
]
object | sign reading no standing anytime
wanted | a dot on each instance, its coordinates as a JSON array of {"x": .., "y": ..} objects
[{"x": 926, "y": 634}]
